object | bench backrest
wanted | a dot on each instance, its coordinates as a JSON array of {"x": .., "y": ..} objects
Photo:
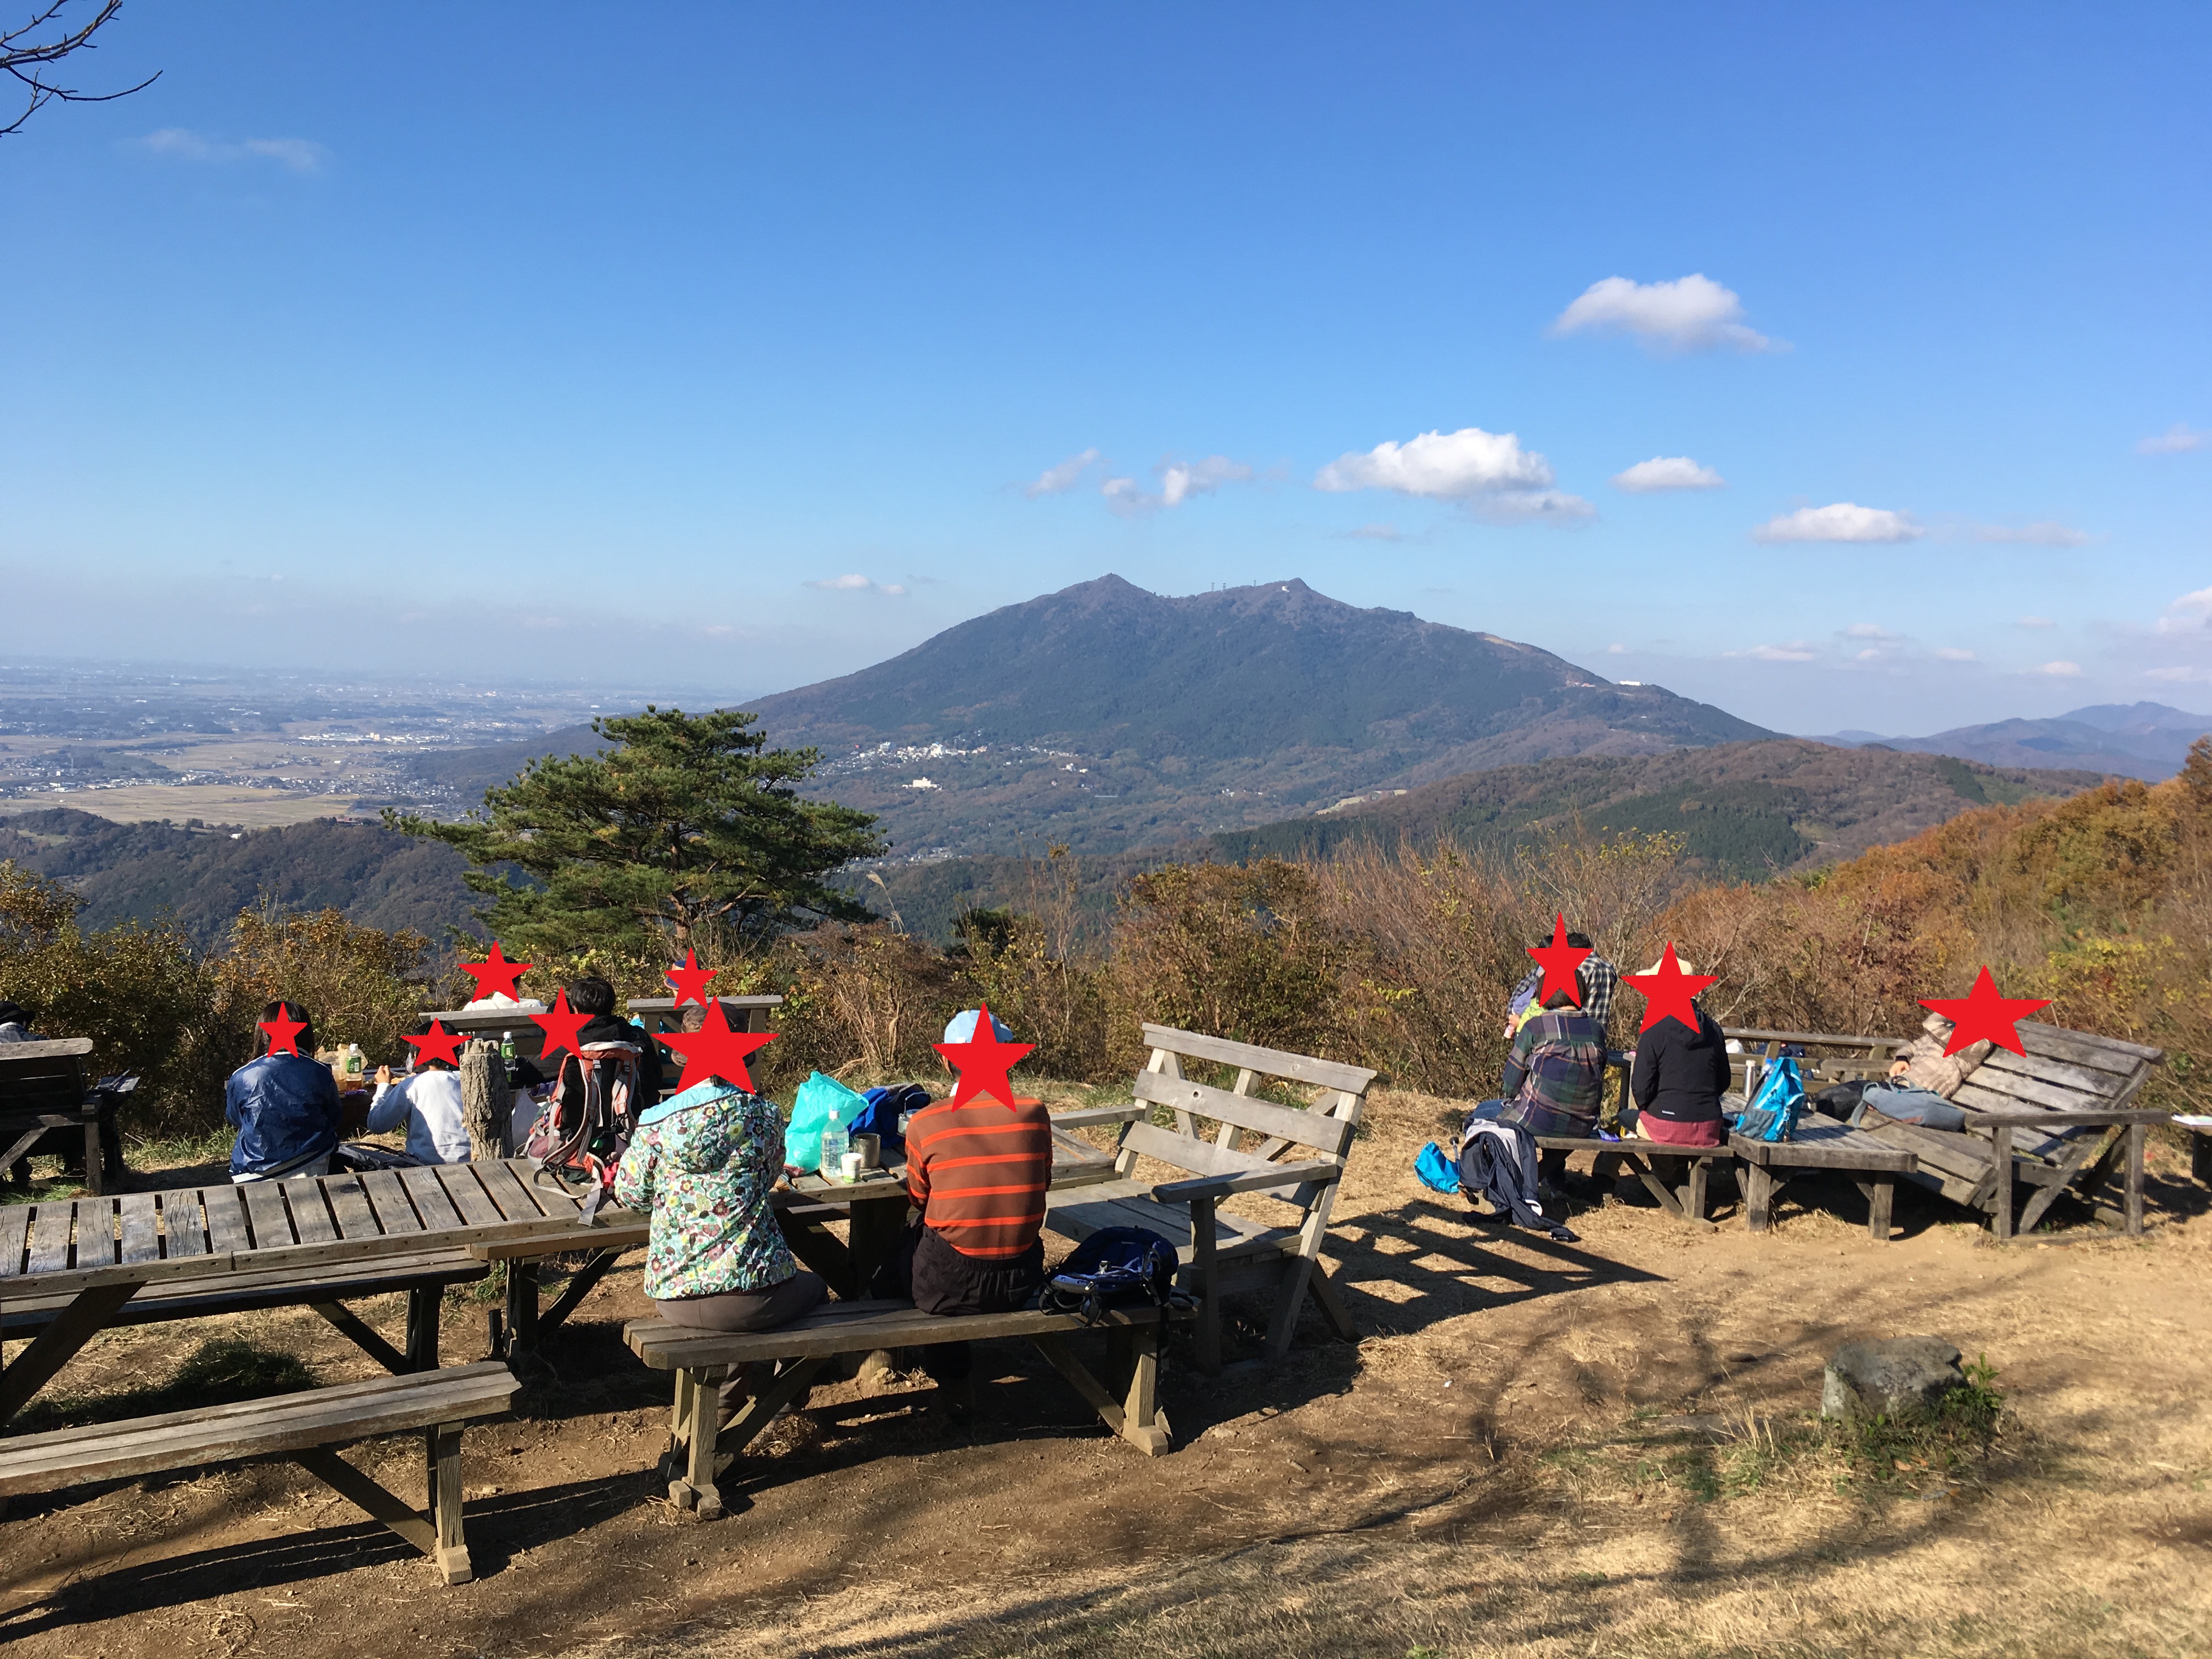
[
  {"x": 2063, "y": 1071},
  {"x": 42, "y": 1077},
  {"x": 1323, "y": 1130}
]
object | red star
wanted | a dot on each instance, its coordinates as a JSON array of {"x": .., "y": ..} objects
[
  {"x": 690, "y": 980},
  {"x": 438, "y": 1044},
  {"x": 1558, "y": 960},
  {"x": 560, "y": 1026},
  {"x": 283, "y": 1034},
  {"x": 715, "y": 1051},
  {"x": 1667, "y": 993},
  {"x": 496, "y": 974},
  {"x": 1983, "y": 1013},
  {"x": 983, "y": 1062}
]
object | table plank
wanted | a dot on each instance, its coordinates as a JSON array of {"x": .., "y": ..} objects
[
  {"x": 350, "y": 1203},
  {"x": 514, "y": 1200},
  {"x": 180, "y": 1221},
  {"x": 272, "y": 1223},
  {"x": 311, "y": 1213},
  {"x": 227, "y": 1233},
  {"x": 142, "y": 1228},
  {"x": 52, "y": 1230},
  {"x": 467, "y": 1194},
  {"x": 95, "y": 1233},
  {"x": 388, "y": 1197},
  {"x": 14, "y": 1235},
  {"x": 431, "y": 1203}
]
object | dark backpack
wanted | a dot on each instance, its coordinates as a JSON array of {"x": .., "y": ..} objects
[
  {"x": 1114, "y": 1267},
  {"x": 884, "y": 1110},
  {"x": 586, "y": 1124}
]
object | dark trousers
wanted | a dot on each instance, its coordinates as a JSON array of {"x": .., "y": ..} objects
[
  {"x": 939, "y": 1279},
  {"x": 745, "y": 1311}
]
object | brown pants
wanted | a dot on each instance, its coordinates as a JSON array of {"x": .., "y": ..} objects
[{"x": 745, "y": 1311}]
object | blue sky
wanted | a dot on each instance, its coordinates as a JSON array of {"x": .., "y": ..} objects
[{"x": 582, "y": 342}]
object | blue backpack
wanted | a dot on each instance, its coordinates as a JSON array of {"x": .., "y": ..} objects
[
  {"x": 1775, "y": 1109},
  {"x": 881, "y": 1116},
  {"x": 1114, "y": 1267}
]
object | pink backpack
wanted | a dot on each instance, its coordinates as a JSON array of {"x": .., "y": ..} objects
[{"x": 586, "y": 1124}]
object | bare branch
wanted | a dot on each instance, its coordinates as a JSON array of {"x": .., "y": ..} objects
[{"x": 27, "y": 57}]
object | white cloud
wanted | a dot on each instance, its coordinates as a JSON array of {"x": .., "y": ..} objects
[
  {"x": 1616, "y": 651},
  {"x": 295, "y": 155},
  {"x": 1062, "y": 477},
  {"x": 1181, "y": 480},
  {"x": 1795, "y": 651},
  {"x": 2189, "y": 614},
  {"x": 2178, "y": 676},
  {"x": 1870, "y": 631},
  {"x": 1840, "y": 521},
  {"x": 1693, "y": 313},
  {"x": 1441, "y": 466},
  {"x": 2046, "y": 532},
  {"x": 1952, "y": 654},
  {"x": 1872, "y": 653},
  {"x": 1488, "y": 472},
  {"x": 2035, "y": 622},
  {"x": 2176, "y": 439},
  {"x": 1668, "y": 473},
  {"x": 857, "y": 585},
  {"x": 2059, "y": 670}
]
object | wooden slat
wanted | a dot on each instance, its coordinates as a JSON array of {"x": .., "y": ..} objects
[
  {"x": 1268, "y": 1062},
  {"x": 227, "y": 1232},
  {"x": 97, "y": 1244},
  {"x": 18, "y": 1053},
  {"x": 467, "y": 1195},
  {"x": 272, "y": 1222},
  {"x": 311, "y": 1214},
  {"x": 1316, "y": 1129},
  {"x": 513, "y": 1199},
  {"x": 14, "y": 1234},
  {"x": 431, "y": 1203},
  {"x": 1189, "y": 1154},
  {"x": 2106, "y": 1053},
  {"x": 857, "y": 1327},
  {"x": 2015, "y": 1093},
  {"x": 2098, "y": 1084},
  {"x": 350, "y": 1205},
  {"x": 141, "y": 1227},
  {"x": 53, "y": 1229},
  {"x": 225, "y": 1289},
  {"x": 388, "y": 1198}
]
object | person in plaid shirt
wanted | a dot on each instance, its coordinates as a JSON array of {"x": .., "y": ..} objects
[{"x": 1598, "y": 979}]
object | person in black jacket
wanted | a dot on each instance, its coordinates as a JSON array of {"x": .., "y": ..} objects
[{"x": 1679, "y": 1077}]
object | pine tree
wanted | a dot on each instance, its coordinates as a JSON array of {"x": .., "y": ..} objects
[{"x": 687, "y": 830}]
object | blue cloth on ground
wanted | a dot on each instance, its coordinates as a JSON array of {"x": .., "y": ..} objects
[{"x": 1436, "y": 1172}]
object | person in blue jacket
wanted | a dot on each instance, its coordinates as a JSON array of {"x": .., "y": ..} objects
[{"x": 285, "y": 1108}]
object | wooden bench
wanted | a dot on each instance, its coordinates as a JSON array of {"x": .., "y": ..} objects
[
  {"x": 700, "y": 1359},
  {"x": 424, "y": 1276},
  {"x": 2057, "y": 1118},
  {"x": 1819, "y": 1144},
  {"x": 303, "y": 1427},
  {"x": 1222, "y": 1253},
  {"x": 43, "y": 1094}
]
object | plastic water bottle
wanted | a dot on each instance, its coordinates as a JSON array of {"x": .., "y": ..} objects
[
  {"x": 506, "y": 1046},
  {"x": 355, "y": 1061},
  {"x": 835, "y": 1143}
]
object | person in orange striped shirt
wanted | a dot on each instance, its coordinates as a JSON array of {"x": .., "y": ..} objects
[{"x": 978, "y": 1175}]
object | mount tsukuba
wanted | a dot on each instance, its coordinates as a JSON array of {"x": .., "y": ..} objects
[{"x": 1109, "y": 719}]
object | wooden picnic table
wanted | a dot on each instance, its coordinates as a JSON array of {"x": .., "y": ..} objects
[
  {"x": 873, "y": 1207},
  {"x": 102, "y": 1251}
]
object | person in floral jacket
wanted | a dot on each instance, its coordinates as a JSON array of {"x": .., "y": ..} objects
[{"x": 702, "y": 1165}]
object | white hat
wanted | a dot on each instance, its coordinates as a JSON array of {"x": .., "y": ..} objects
[{"x": 961, "y": 1028}]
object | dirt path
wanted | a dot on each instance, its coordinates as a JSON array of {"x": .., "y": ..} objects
[{"x": 1495, "y": 1467}]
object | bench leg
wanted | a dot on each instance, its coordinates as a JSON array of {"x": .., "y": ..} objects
[
  {"x": 95, "y": 1172},
  {"x": 56, "y": 1346},
  {"x": 585, "y": 1280},
  {"x": 697, "y": 1398},
  {"x": 453, "y": 1549},
  {"x": 1758, "y": 1198},
  {"x": 366, "y": 1340},
  {"x": 1322, "y": 1289},
  {"x": 424, "y": 1304},
  {"x": 1144, "y": 1424},
  {"x": 2138, "y": 1133},
  {"x": 1694, "y": 1190},
  {"x": 2001, "y": 1166},
  {"x": 1209, "y": 1285},
  {"x": 2089, "y": 1155},
  {"x": 1881, "y": 1196},
  {"x": 1290, "y": 1302},
  {"x": 1647, "y": 1169},
  {"x": 522, "y": 1307}
]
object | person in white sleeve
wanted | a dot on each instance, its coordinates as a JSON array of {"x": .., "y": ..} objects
[{"x": 430, "y": 1103}]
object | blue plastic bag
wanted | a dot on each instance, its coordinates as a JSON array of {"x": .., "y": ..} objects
[
  {"x": 821, "y": 1101},
  {"x": 1437, "y": 1172}
]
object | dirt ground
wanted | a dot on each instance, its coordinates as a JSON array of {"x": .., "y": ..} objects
[{"x": 1602, "y": 1447}]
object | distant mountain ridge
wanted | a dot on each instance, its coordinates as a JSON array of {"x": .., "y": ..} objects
[
  {"x": 2146, "y": 740},
  {"x": 1109, "y": 718}
]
